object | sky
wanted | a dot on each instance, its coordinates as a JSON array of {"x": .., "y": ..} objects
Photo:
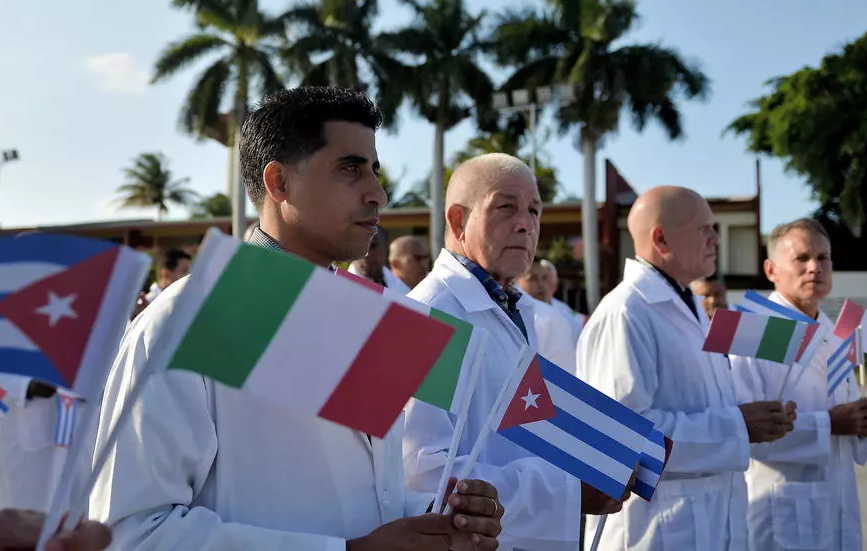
[{"x": 76, "y": 102}]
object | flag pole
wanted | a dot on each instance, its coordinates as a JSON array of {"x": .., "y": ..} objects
[
  {"x": 526, "y": 355},
  {"x": 461, "y": 422},
  {"x": 859, "y": 357},
  {"x": 597, "y": 537},
  {"x": 785, "y": 382}
]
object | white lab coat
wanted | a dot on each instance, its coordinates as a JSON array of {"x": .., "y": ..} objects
[
  {"x": 802, "y": 488},
  {"x": 576, "y": 320},
  {"x": 31, "y": 464},
  {"x": 554, "y": 334},
  {"x": 643, "y": 346},
  {"x": 206, "y": 467},
  {"x": 543, "y": 503}
]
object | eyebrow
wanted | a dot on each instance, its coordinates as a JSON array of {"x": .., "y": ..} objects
[
  {"x": 512, "y": 197},
  {"x": 357, "y": 160}
]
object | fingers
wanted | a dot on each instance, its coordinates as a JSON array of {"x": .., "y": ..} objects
[
  {"x": 430, "y": 523},
  {"x": 484, "y": 526},
  {"x": 476, "y": 505},
  {"x": 477, "y": 488},
  {"x": 472, "y": 542},
  {"x": 89, "y": 536}
]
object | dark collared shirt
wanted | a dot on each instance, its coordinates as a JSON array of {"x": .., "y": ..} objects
[
  {"x": 685, "y": 293},
  {"x": 262, "y": 239},
  {"x": 504, "y": 297}
]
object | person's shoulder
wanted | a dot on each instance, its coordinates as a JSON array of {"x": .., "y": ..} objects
[{"x": 433, "y": 291}]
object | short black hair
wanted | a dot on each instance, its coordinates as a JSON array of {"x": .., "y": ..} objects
[
  {"x": 288, "y": 127},
  {"x": 171, "y": 258}
]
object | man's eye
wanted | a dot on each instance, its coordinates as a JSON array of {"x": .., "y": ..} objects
[
  {"x": 534, "y": 212},
  {"x": 351, "y": 169}
]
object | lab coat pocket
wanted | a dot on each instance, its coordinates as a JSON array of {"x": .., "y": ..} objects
[
  {"x": 801, "y": 515},
  {"x": 681, "y": 523}
]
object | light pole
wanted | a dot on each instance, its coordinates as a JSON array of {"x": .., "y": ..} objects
[
  {"x": 8, "y": 156},
  {"x": 520, "y": 103}
]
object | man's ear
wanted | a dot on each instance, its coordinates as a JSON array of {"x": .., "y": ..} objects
[
  {"x": 456, "y": 217},
  {"x": 769, "y": 267},
  {"x": 275, "y": 177},
  {"x": 657, "y": 239}
]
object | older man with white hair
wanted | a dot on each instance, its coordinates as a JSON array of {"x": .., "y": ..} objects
[
  {"x": 802, "y": 488},
  {"x": 492, "y": 214}
]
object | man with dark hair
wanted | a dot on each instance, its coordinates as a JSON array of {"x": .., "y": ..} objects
[
  {"x": 174, "y": 265},
  {"x": 206, "y": 467}
]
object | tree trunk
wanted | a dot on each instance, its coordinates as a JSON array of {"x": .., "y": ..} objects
[
  {"x": 589, "y": 223},
  {"x": 238, "y": 196},
  {"x": 437, "y": 190}
]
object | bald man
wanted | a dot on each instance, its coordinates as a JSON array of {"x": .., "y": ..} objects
[
  {"x": 643, "y": 346},
  {"x": 409, "y": 259},
  {"x": 492, "y": 218}
]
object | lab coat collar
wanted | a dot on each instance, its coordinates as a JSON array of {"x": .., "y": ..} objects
[
  {"x": 653, "y": 288},
  {"x": 466, "y": 287}
]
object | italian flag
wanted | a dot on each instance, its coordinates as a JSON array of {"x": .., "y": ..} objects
[
  {"x": 755, "y": 335},
  {"x": 442, "y": 387},
  {"x": 293, "y": 334}
]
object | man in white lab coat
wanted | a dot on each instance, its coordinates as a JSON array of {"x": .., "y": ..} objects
[
  {"x": 802, "y": 488},
  {"x": 576, "y": 320},
  {"x": 643, "y": 346},
  {"x": 492, "y": 216},
  {"x": 553, "y": 330},
  {"x": 206, "y": 467}
]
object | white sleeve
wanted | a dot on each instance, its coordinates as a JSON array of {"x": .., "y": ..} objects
[
  {"x": 160, "y": 463},
  {"x": 713, "y": 440},
  {"x": 541, "y": 501}
]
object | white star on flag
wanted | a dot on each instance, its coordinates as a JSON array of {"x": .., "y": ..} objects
[
  {"x": 530, "y": 399},
  {"x": 58, "y": 308}
]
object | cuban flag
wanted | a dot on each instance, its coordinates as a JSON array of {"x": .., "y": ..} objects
[
  {"x": 652, "y": 464},
  {"x": 64, "y": 303},
  {"x": 758, "y": 304},
  {"x": 64, "y": 427},
  {"x": 589, "y": 435},
  {"x": 841, "y": 363},
  {"x": 3, "y": 407}
]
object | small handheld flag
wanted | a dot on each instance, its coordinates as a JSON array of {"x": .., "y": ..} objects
[
  {"x": 755, "y": 303},
  {"x": 652, "y": 464},
  {"x": 3, "y": 407},
  {"x": 755, "y": 335},
  {"x": 356, "y": 358},
  {"x": 64, "y": 302},
  {"x": 590, "y": 435},
  {"x": 851, "y": 316},
  {"x": 841, "y": 363},
  {"x": 65, "y": 425}
]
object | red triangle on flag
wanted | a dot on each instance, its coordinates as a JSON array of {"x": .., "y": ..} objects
[
  {"x": 57, "y": 313},
  {"x": 531, "y": 401}
]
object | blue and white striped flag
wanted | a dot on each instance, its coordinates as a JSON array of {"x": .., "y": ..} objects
[
  {"x": 3, "y": 407},
  {"x": 841, "y": 363},
  {"x": 592, "y": 436},
  {"x": 652, "y": 464},
  {"x": 64, "y": 426},
  {"x": 758, "y": 304}
]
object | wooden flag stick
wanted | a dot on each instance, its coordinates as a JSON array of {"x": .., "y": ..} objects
[
  {"x": 597, "y": 537},
  {"x": 461, "y": 422}
]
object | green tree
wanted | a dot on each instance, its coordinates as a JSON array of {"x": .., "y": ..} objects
[
  {"x": 448, "y": 84},
  {"x": 331, "y": 44},
  {"x": 578, "y": 42},
  {"x": 814, "y": 119},
  {"x": 242, "y": 43},
  {"x": 150, "y": 183},
  {"x": 212, "y": 206}
]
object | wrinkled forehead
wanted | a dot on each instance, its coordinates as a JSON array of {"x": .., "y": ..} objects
[{"x": 800, "y": 241}]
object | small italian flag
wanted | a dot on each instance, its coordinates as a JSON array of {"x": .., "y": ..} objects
[
  {"x": 442, "y": 387},
  {"x": 295, "y": 335},
  {"x": 755, "y": 335}
]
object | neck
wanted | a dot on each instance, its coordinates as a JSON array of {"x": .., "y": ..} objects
[
  {"x": 811, "y": 308},
  {"x": 290, "y": 242}
]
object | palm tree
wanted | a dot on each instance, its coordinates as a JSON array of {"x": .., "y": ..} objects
[
  {"x": 212, "y": 206},
  {"x": 340, "y": 30},
  {"x": 242, "y": 41},
  {"x": 150, "y": 184},
  {"x": 572, "y": 42},
  {"x": 448, "y": 84}
]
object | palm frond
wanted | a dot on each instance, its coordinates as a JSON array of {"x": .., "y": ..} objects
[{"x": 178, "y": 55}]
